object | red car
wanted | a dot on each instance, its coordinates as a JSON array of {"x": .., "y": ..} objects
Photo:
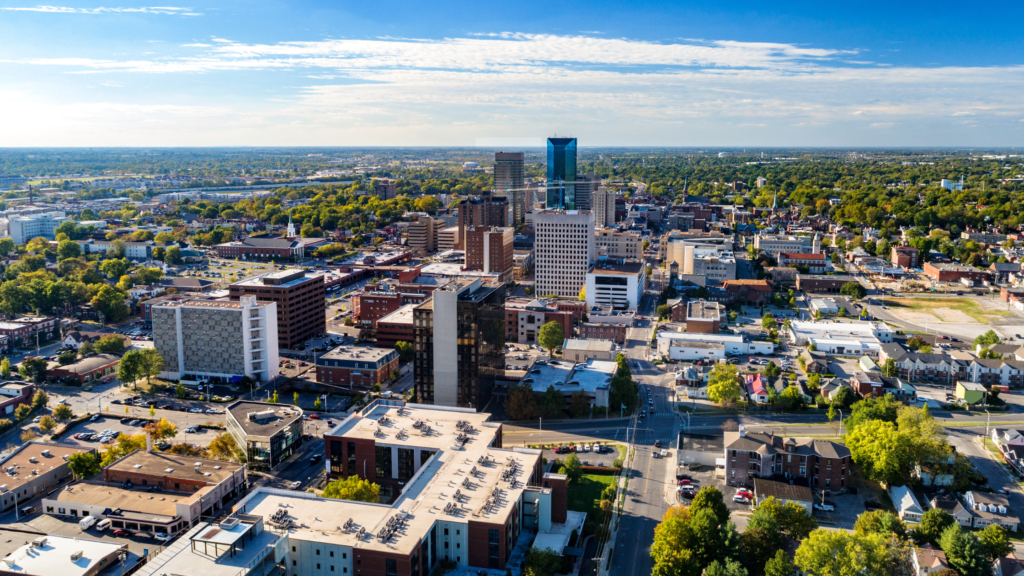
[
  {"x": 314, "y": 416},
  {"x": 689, "y": 494},
  {"x": 657, "y": 443},
  {"x": 684, "y": 482},
  {"x": 121, "y": 533}
]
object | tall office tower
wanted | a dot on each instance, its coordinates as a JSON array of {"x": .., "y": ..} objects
[
  {"x": 603, "y": 202},
  {"x": 216, "y": 338},
  {"x": 586, "y": 187},
  {"x": 385, "y": 188},
  {"x": 564, "y": 249},
  {"x": 485, "y": 210},
  {"x": 423, "y": 234},
  {"x": 510, "y": 181},
  {"x": 561, "y": 174},
  {"x": 300, "y": 303},
  {"x": 459, "y": 344},
  {"x": 489, "y": 249}
]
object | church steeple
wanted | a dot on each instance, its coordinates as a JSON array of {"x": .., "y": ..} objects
[{"x": 291, "y": 228}]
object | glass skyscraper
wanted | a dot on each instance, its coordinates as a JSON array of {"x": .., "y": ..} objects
[{"x": 561, "y": 173}]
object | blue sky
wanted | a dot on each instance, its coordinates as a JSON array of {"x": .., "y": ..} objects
[{"x": 257, "y": 72}]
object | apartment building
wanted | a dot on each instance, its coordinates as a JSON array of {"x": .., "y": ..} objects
[
  {"x": 201, "y": 339},
  {"x": 524, "y": 319},
  {"x": 385, "y": 188},
  {"x": 356, "y": 367},
  {"x": 301, "y": 314},
  {"x": 485, "y": 210},
  {"x": 824, "y": 465},
  {"x": 564, "y": 250},
  {"x": 22, "y": 228},
  {"x": 459, "y": 344},
  {"x": 603, "y": 205},
  {"x": 904, "y": 256},
  {"x": 132, "y": 250},
  {"x": 775, "y": 245},
  {"x": 489, "y": 249},
  {"x": 423, "y": 234},
  {"x": 510, "y": 183},
  {"x": 614, "y": 244}
]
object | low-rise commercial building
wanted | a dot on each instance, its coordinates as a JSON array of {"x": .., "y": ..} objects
[
  {"x": 33, "y": 469},
  {"x": 948, "y": 272},
  {"x": 262, "y": 248},
  {"x": 815, "y": 263},
  {"x": 700, "y": 346},
  {"x": 822, "y": 284},
  {"x": 842, "y": 338},
  {"x": 50, "y": 555},
  {"x": 269, "y": 433},
  {"x": 619, "y": 284},
  {"x": 581, "y": 350},
  {"x": 85, "y": 370},
  {"x": 593, "y": 378},
  {"x": 703, "y": 317},
  {"x": 14, "y": 394},
  {"x": 356, "y": 366},
  {"x": 396, "y": 327}
]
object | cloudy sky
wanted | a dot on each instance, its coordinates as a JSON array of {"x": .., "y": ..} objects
[{"x": 287, "y": 73}]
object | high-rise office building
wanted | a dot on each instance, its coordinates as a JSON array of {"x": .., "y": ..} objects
[
  {"x": 510, "y": 181},
  {"x": 603, "y": 202},
  {"x": 564, "y": 249},
  {"x": 385, "y": 188},
  {"x": 489, "y": 249},
  {"x": 423, "y": 234},
  {"x": 300, "y": 303},
  {"x": 459, "y": 344},
  {"x": 586, "y": 186},
  {"x": 485, "y": 210},
  {"x": 561, "y": 176}
]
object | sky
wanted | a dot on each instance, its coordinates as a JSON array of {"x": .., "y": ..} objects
[{"x": 508, "y": 74}]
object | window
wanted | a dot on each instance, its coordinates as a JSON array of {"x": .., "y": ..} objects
[
  {"x": 332, "y": 553},
  {"x": 351, "y": 458},
  {"x": 384, "y": 468},
  {"x": 390, "y": 567}
]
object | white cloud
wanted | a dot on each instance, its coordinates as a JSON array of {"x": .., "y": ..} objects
[
  {"x": 172, "y": 10},
  {"x": 197, "y": 45}
]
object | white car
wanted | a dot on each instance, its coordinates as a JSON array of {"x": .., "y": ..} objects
[
  {"x": 161, "y": 537},
  {"x": 196, "y": 410},
  {"x": 295, "y": 485},
  {"x": 741, "y": 499},
  {"x": 824, "y": 507}
]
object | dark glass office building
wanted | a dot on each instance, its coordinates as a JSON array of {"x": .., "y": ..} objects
[{"x": 561, "y": 174}]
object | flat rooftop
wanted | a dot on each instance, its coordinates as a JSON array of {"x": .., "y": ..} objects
[
  {"x": 212, "y": 304},
  {"x": 568, "y": 377},
  {"x": 52, "y": 555},
  {"x": 702, "y": 310},
  {"x": 140, "y": 502},
  {"x": 360, "y": 353},
  {"x": 158, "y": 463},
  {"x": 261, "y": 418},
  {"x": 612, "y": 267},
  {"x": 487, "y": 480},
  {"x": 403, "y": 315},
  {"x": 183, "y": 560},
  {"x": 17, "y": 468},
  {"x": 280, "y": 279},
  {"x": 588, "y": 344}
]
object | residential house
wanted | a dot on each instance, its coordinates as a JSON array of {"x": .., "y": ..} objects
[
  {"x": 928, "y": 559},
  {"x": 991, "y": 508},
  {"x": 1008, "y": 566},
  {"x": 907, "y": 506},
  {"x": 757, "y": 388},
  {"x": 948, "y": 502},
  {"x": 815, "y": 362},
  {"x": 1002, "y": 271}
]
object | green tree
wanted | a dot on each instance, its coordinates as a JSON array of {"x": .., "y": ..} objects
[
  {"x": 130, "y": 368},
  {"x": 33, "y": 368},
  {"x": 552, "y": 403},
  {"x": 47, "y": 423},
  {"x": 550, "y": 336},
  {"x": 353, "y": 488},
  {"x": 38, "y": 245},
  {"x": 546, "y": 562},
  {"x": 579, "y": 404},
  {"x": 710, "y": 498},
  {"x": 521, "y": 404},
  {"x": 404, "y": 350},
  {"x": 880, "y": 522},
  {"x": 22, "y": 411},
  {"x": 274, "y": 398},
  {"x": 224, "y": 447},
  {"x": 573, "y": 468},
  {"x": 713, "y": 541},
  {"x": 768, "y": 321},
  {"x": 673, "y": 540},
  {"x": 63, "y": 413},
  {"x": 788, "y": 519},
  {"x": 885, "y": 408},
  {"x": 779, "y": 565},
  {"x": 964, "y": 552},
  {"x": 772, "y": 370},
  {"x": 148, "y": 275},
  {"x": 728, "y": 567},
  {"x": 987, "y": 339},
  {"x": 723, "y": 385},
  {"x": 180, "y": 391},
  {"x": 5, "y": 368},
  {"x": 40, "y": 400},
  {"x": 889, "y": 368},
  {"x": 112, "y": 344},
  {"x": 115, "y": 267},
  {"x": 835, "y": 553},
  {"x": 844, "y": 397},
  {"x": 854, "y": 290},
  {"x": 110, "y": 303},
  {"x": 173, "y": 256},
  {"x": 68, "y": 249},
  {"x": 65, "y": 358},
  {"x": 664, "y": 311},
  {"x": 758, "y": 548},
  {"x": 84, "y": 465},
  {"x": 162, "y": 429},
  {"x": 933, "y": 523},
  {"x": 152, "y": 363},
  {"x": 996, "y": 542}
]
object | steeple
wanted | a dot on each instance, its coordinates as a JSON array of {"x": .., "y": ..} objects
[
  {"x": 816, "y": 244},
  {"x": 291, "y": 228}
]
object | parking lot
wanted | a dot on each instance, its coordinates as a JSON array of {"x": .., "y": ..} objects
[
  {"x": 108, "y": 423},
  {"x": 589, "y": 458}
]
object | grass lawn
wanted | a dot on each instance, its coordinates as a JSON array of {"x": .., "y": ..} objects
[
  {"x": 965, "y": 305},
  {"x": 585, "y": 496}
]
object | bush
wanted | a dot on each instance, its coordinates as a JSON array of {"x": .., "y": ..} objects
[{"x": 617, "y": 463}]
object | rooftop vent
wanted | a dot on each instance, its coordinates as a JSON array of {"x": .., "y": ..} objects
[
  {"x": 169, "y": 470},
  {"x": 46, "y": 454},
  {"x": 229, "y": 523},
  {"x": 77, "y": 555}
]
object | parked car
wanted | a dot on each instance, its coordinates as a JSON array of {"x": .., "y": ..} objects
[
  {"x": 826, "y": 507},
  {"x": 740, "y": 499},
  {"x": 657, "y": 443},
  {"x": 121, "y": 533},
  {"x": 295, "y": 485}
]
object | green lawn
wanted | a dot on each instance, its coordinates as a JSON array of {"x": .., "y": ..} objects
[
  {"x": 965, "y": 305},
  {"x": 585, "y": 496}
]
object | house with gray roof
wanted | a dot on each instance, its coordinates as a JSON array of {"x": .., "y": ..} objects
[{"x": 820, "y": 464}]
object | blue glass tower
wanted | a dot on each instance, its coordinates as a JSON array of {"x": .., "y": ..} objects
[{"x": 561, "y": 173}]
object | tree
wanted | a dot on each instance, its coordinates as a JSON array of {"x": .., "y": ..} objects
[
  {"x": 130, "y": 367},
  {"x": 758, "y": 548},
  {"x": 579, "y": 404},
  {"x": 22, "y": 411},
  {"x": 224, "y": 447},
  {"x": 68, "y": 249},
  {"x": 779, "y": 565},
  {"x": 115, "y": 267},
  {"x": 65, "y": 358},
  {"x": 274, "y": 398},
  {"x": 404, "y": 350},
  {"x": 521, "y": 403},
  {"x": 117, "y": 249},
  {"x": 710, "y": 498},
  {"x": 112, "y": 344},
  {"x": 933, "y": 523},
  {"x": 965, "y": 552},
  {"x": 84, "y": 465},
  {"x": 728, "y": 567},
  {"x": 148, "y": 275},
  {"x": 162, "y": 429},
  {"x": 38, "y": 245},
  {"x": 664, "y": 311},
  {"x": 854, "y": 290},
  {"x": 353, "y": 488},
  {"x": 545, "y": 562},
  {"x": 844, "y": 397},
  {"x": 723, "y": 385},
  {"x": 995, "y": 542},
  {"x": 834, "y": 553},
  {"x": 889, "y": 368},
  {"x": 672, "y": 545},
  {"x": 180, "y": 391},
  {"x": 987, "y": 339},
  {"x": 881, "y": 450},
  {"x": 173, "y": 256},
  {"x": 40, "y": 400},
  {"x": 880, "y": 522},
  {"x": 712, "y": 540},
  {"x": 47, "y": 423},
  {"x": 573, "y": 468},
  {"x": 772, "y": 370},
  {"x": 768, "y": 321},
  {"x": 6, "y": 246},
  {"x": 5, "y": 368},
  {"x": 884, "y": 408},
  {"x": 110, "y": 303},
  {"x": 552, "y": 403},
  {"x": 63, "y": 413},
  {"x": 28, "y": 435},
  {"x": 33, "y": 368},
  {"x": 788, "y": 519},
  {"x": 550, "y": 336}
]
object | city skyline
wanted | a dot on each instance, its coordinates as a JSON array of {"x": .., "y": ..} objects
[{"x": 399, "y": 74}]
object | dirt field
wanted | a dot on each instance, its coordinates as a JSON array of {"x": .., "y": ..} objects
[{"x": 945, "y": 310}]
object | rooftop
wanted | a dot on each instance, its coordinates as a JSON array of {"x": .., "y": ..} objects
[
  {"x": 280, "y": 279},
  {"x": 50, "y": 555},
  {"x": 138, "y": 504},
  {"x": 17, "y": 468},
  {"x": 624, "y": 267},
  {"x": 590, "y": 345},
  {"x": 403, "y": 315},
  {"x": 185, "y": 560},
  {"x": 261, "y": 418},
  {"x": 165, "y": 463},
  {"x": 764, "y": 488},
  {"x": 702, "y": 310},
  {"x": 568, "y": 377},
  {"x": 361, "y": 353}
]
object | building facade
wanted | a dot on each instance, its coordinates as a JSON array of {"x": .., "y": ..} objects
[
  {"x": 603, "y": 205},
  {"x": 561, "y": 174},
  {"x": 356, "y": 367},
  {"x": 269, "y": 433},
  {"x": 301, "y": 314},
  {"x": 618, "y": 283},
  {"x": 489, "y": 249},
  {"x": 618, "y": 244},
  {"x": 564, "y": 250},
  {"x": 824, "y": 465},
  {"x": 510, "y": 183}
]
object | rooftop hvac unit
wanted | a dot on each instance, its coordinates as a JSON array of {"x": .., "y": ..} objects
[
  {"x": 32, "y": 459},
  {"x": 46, "y": 453},
  {"x": 229, "y": 523},
  {"x": 77, "y": 555},
  {"x": 39, "y": 542}
]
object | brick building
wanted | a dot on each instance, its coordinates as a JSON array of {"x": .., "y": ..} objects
[
  {"x": 821, "y": 284},
  {"x": 822, "y": 464},
  {"x": 356, "y": 367},
  {"x": 815, "y": 263},
  {"x": 301, "y": 314},
  {"x": 485, "y": 210},
  {"x": 703, "y": 317},
  {"x": 86, "y": 370},
  {"x": 523, "y": 320},
  {"x": 396, "y": 327},
  {"x": 905, "y": 256},
  {"x": 754, "y": 292},
  {"x": 171, "y": 472},
  {"x": 489, "y": 249},
  {"x": 22, "y": 330},
  {"x": 385, "y": 188},
  {"x": 948, "y": 272},
  {"x": 261, "y": 248},
  {"x": 13, "y": 394},
  {"x": 602, "y": 331},
  {"x": 372, "y": 306}
]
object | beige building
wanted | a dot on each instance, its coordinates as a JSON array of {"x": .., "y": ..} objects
[
  {"x": 603, "y": 205},
  {"x": 619, "y": 244},
  {"x": 447, "y": 238},
  {"x": 422, "y": 234},
  {"x": 564, "y": 250},
  {"x": 579, "y": 350}
]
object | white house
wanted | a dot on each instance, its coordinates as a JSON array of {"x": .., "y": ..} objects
[{"x": 907, "y": 506}]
